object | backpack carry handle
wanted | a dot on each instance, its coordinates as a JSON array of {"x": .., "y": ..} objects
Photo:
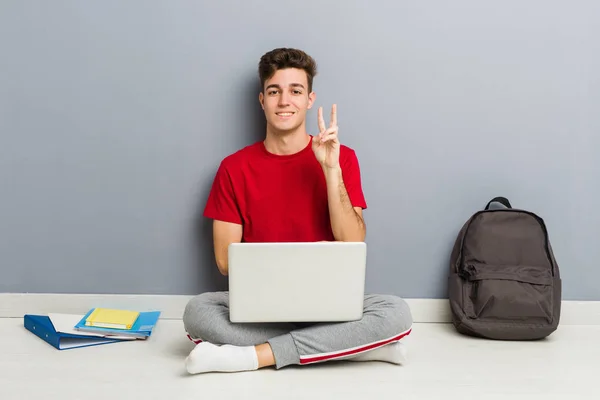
[{"x": 502, "y": 200}]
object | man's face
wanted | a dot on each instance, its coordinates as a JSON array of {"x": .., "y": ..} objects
[{"x": 285, "y": 99}]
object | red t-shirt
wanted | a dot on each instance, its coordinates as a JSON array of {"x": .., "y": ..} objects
[{"x": 279, "y": 198}]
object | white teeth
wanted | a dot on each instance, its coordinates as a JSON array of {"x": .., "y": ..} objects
[{"x": 285, "y": 114}]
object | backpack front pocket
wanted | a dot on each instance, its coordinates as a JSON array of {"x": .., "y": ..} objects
[{"x": 505, "y": 293}]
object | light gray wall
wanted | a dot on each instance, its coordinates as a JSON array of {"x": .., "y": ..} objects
[{"x": 114, "y": 116}]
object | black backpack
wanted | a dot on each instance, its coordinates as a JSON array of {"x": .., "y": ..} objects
[{"x": 504, "y": 281}]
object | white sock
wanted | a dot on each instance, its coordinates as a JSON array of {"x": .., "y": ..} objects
[
  {"x": 207, "y": 357},
  {"x": 394, "y": 353}
]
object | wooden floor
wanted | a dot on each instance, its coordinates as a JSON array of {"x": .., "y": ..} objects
[{"x": 442, "y": 365}]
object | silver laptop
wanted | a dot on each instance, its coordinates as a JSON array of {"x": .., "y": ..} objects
[{"x": 296, "y": 282}]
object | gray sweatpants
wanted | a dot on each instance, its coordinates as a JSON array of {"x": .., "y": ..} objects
[{"x": 385, "y": 319}]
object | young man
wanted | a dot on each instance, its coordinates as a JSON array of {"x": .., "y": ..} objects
[{"x": 290, "y": 187}]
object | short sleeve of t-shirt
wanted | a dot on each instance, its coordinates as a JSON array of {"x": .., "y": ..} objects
[
  {"x": 352, "y": 180},
  {"x": 221, "y": 204}
]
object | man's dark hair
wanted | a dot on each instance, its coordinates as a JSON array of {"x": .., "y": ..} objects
[{"x": 282, "y": 58}]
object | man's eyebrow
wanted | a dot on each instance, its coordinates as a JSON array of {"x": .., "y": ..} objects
[{"x": 276, "y": 86}]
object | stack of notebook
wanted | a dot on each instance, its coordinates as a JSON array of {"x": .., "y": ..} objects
[
  {"x": 97, "y": 326},
  {"x": 118, "y": 322}
]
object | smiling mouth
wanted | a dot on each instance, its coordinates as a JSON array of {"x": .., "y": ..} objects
[{"x": 285, "y": 114}]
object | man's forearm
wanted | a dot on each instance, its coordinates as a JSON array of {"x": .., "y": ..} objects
[{"x": 346, "y": 224}]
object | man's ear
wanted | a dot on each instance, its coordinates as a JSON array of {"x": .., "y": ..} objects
[
  {"x": 261, "y": 100},
  {"x": 311, "y": 99}
]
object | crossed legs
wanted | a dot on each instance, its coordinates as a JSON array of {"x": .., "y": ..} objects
[{"x": 228, "y": 347}]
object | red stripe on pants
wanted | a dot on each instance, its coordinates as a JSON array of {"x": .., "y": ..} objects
[{"x": 308, "y": 360}]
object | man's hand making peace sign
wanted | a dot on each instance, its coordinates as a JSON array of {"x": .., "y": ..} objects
[{"x": 326, "y": 144}]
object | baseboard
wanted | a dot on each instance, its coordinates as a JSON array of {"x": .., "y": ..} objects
[{"x": 15, "y": 305}]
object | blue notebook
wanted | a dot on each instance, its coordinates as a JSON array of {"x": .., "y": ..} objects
[
  {"x": 42, "y": 327},
  {"x": 141, "y": 329}
]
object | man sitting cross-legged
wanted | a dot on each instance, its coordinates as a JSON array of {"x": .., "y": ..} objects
[{"x": 291, "y": 187}]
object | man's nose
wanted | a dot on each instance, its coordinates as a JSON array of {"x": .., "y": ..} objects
[{"x": 284, "y": 98}]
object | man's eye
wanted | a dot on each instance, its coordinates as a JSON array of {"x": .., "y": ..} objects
[
  {"x": 272, "y": 92},
  {"x": 297, "y": 92}
]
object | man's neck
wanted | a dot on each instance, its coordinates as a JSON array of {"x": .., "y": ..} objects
[{"x": 280, "y": 143}]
